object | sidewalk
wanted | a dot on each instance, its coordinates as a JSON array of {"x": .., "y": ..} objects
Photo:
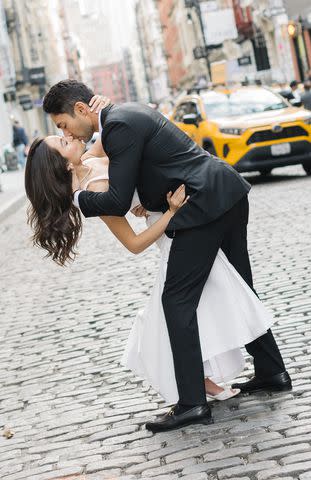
[{"x": 12, "y": 192}]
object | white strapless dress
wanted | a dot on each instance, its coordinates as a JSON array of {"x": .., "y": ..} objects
[{"x": 229, "y": 316}]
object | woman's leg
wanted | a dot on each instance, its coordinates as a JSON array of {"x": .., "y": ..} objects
[{"x": 212, "y": 388}]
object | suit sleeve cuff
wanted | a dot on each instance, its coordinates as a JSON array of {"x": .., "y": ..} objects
[{"x": 76, "y": 198}]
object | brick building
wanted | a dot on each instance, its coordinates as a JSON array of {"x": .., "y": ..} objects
[
  {"x": 299, "y": 14},
  {"x": 181, "y": 34},
  {"x": 111, "y": 80}
]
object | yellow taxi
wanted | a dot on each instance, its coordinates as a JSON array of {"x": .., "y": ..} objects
[{"x": 252, "y": 128}]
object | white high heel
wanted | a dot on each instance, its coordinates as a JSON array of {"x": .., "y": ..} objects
[{"x": 225, "y": 394}]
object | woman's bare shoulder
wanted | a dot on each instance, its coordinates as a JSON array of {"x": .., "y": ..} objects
[{"x": 96, "y": 162}]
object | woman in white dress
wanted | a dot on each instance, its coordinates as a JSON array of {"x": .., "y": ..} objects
[{"x": 229, "y": 313}]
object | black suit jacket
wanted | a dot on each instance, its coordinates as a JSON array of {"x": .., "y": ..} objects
[{"x": 148, "y": 152}]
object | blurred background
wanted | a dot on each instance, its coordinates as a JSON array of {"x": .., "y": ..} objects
[{"x": 152, "y": 51}]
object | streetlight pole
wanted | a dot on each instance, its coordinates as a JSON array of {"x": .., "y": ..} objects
[
  {"x": 199, "y": 14},
  {"x": 196, "y": 5},
  {"x": 143, "y": 55}
]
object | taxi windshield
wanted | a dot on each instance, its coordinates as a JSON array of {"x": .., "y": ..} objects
[{"x": 241, "y": 102}]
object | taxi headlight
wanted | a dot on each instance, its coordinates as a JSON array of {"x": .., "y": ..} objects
[{"x": 232, "y": 131}]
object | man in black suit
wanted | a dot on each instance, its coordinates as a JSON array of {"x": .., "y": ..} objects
[{"x": 149, "y": 153}]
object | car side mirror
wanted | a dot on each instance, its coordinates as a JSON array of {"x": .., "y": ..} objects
[{"x": 191, "y": 119}]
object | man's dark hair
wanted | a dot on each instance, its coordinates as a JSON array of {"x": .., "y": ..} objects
[
  {"x": 62, "y": 97},
  {"x": 293, "y": 83}
]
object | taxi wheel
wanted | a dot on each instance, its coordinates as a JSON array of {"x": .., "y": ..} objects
[
  {"x": 307, "y": 168},
  {"x": 265, "y": 171}
]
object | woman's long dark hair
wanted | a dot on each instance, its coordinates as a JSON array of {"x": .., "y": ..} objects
[{"x": 56, "y": 222}]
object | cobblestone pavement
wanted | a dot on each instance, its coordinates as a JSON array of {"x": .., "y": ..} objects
[{"x": 76, "y": 414}]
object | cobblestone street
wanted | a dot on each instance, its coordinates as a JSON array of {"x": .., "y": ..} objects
[{"x": 77, "y": 414}]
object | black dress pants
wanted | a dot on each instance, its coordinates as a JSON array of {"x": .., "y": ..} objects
[{"x": 191, "y": 259}]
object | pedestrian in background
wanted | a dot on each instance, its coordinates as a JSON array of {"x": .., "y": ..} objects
[
  {"x": 20, "y": 143},
  {"x": 295, "y": 90},
  {"x": 306, "y": 96}
]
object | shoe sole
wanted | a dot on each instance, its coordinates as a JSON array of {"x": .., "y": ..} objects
[
  {"x": 204, "y": 421},
  {"x": 283, "y": 388}
]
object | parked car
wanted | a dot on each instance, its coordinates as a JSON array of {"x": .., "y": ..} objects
[{"x": 251, "y": 128}]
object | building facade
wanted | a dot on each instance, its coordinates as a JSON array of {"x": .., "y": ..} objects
[
  {"x": 7, "y": 81},
  {"x": 111, "y": 80},
  {"x": 299, "y": 30},
  {"x": 138, "y": 68},
  {"x": 38, "y": 54},
  {"x": 71, "y": 44},
  {"x": 128, "y": 65},
  {"x": 243, "y": 40},
  {"x": 151, "y": 43},
  {"x": 270, "y": 24},
  {"x": 182, "y": 33},
  {"x": 256, "y": 48}
]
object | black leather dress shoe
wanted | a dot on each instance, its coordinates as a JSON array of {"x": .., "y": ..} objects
[
  {"x": 277, "y": 383},
  {"x": 171, "y": 420}
]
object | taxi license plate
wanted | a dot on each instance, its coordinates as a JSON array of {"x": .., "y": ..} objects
[{"x": 280, "y": 149}]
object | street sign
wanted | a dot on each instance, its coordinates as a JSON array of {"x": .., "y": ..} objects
[
  {"x": 27, "y": 106},
  {"x": 37, "y": 76},
  {"x": 243, "y": 61},
  {"x": 219, "y": 25},
  {"x": 9, "y": 96},
  {"x": 26, "y": 102}
]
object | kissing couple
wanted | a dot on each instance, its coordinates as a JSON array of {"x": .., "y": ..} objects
[{"x": 203, "y": 307}]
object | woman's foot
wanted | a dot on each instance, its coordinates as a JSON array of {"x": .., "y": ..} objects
[
  {"x": 226, "y": 393},
  {"x": 216, "y": 392}
]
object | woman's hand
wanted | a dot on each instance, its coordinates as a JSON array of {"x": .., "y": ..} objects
[
  {"x": 98, "y": 102},
  {"x": 139, "y": 211},
  {"x": 177, "y": 199}
]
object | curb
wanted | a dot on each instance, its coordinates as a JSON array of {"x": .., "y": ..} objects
[{"x": 12, "y": 206}]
